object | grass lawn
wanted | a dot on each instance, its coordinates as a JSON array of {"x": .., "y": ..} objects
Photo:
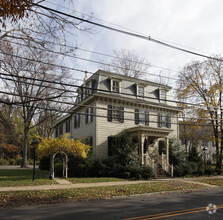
[
  {"x": 95, "y": 180},
  {"x": 217, "y": 182},
  {"x": 21, "y": 177},
  {"x": 51, "y": 196}
]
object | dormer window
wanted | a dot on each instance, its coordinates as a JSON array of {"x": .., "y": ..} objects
[
  {"x": 162, "y": 95},
  {"x": 115, "y": 86},
  {"x": 140, "y": 91}
]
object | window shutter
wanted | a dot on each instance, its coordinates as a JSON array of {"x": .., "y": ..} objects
[
  {"x": 110, "y": 142},
  {"x": 56, "y": 135},
  {"x": 146, "y": 118},
  {"x": 78, "y": 120},
  {"x": 109, "y": 112},
  {"x": 86, "y": 116},
  {"x": 168, "y": 121},
  {"x": 121, "y": 114},
  {"x": 136, "y": 89},
  {"x": 159, "y": 120},
  {"x": 91, "y": 110},
  {"x": 93, "y": 86},
  {"x": 91, "y": 141},
  {"x": 136, "y": 116},
  {"x": 75, "y": 121},
  {"x": 109, "y": 84}
]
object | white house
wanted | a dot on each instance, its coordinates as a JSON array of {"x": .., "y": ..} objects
[{"x": 108, "y": 103}]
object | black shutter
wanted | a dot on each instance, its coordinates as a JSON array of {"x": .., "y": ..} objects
[
  {"x": 168, "y": 121},
  {"x": 91, "y": 112},
  {"x": 86, "y": 116},
  {"x": 82, "y": 93},
  {"x": 136, "y": 88},
  {"x": 56, "y": 135},
  {"x": 109, "y": 112},
  {"x": 75, "y": 121},
  {"x": 93, "y": 86},
  {"x": 146, "y": 118},
  {"x": 121, "y": 114},
  {"x": 109, "y": 84},
  {"x": 136, "y": 116},
  {"x": 159, "y": 120},
  {"x": 78, "y": 120},
  {"x": 91, "y": 141},
  {"x": 110, "y": 143}
]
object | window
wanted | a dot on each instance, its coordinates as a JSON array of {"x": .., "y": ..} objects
[
  {"x": 140, "y": 91},
  {"x": 115, "y": 86},
  {"x": 77, "y": 121},
  {"x": 68, "y": 126},
  {"x": 61, "y": 129},
  {"x": 115, "y": 113},
  {"x": 164, "y": 120},
  {"x": 162, "y": 96},
  {"x": 56, "y": 132},
  {"x": 89, "y": 115},
  {"x": 141, "y": 117}
]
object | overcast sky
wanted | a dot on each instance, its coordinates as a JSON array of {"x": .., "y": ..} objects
[{"x": 194, "y": 25}]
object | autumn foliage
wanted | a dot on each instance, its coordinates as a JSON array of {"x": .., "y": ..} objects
[
  {"x": 48, "y": 147},
  {"x": 14, "y": 10}
]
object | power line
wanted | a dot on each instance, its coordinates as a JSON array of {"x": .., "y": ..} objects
[
  {"x": 99, "y": 19},
  {"x": 95, "y": 52},
  {"x": 98, "y": 62},
  {"x": 95, "y": 115},
  {"x": 62, "y": 102},
  {"x": 101, "y": 90},
  {"x": 127, "y": 33}
]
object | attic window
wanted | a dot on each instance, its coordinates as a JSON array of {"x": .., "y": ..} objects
[
  {"x": 162, "y": 95},
  {"x": 115, "y": 86},
  {"x": 140, "y": 91}
]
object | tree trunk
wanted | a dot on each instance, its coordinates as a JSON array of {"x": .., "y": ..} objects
[{"x": 25, "y": 146}]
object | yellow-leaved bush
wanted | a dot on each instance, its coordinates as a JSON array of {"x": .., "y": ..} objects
[{"x": 48, "y": 147}]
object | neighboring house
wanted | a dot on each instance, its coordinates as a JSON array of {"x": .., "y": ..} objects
[
  {"x": 205, "y": 148},
  {"x": 107, "y": 103}
]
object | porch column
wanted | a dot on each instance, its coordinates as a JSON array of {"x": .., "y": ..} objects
[
  {"x": 167, "y": 150},
  {"x": 142, "y": 139}
]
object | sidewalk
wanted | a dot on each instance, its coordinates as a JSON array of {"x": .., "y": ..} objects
[{"x": 65, "y": 184}]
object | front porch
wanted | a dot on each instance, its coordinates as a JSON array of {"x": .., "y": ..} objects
[{"x": 153, "y": 147}]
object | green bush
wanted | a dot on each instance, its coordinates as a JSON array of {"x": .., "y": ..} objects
[
  {"x": 97, "y": 168},
  {"x": 44, "y": 163},
  {"x": 12, "y": 162},
  {"x": 147, "y": 173},
  {"x": 218, "y": 171},
  {"x": 138, "y": 176},
  {"x": 209, "y": 171},
  {"x": 125, "y": 175},
  {"x": 79, "y": 167},
  {"x": 18, "y": 161},
  {"x": 4, "y": 162},
  {"x": 30, "y": 162}
]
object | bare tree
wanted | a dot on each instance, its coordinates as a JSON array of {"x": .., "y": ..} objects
[
  {"x": 32, "y": 54},
  {"x": 202, "y": 83},
  {"x": 127, "y": 63},
  {"x": 30, "y": 82}
]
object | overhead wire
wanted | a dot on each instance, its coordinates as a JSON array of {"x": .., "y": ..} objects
[
  {"x": 99, "y": 19},
  {"x": 62, "y": 102},
  {"x": 148, "y": 38}
]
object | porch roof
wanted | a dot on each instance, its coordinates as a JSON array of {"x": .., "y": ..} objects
[{"x": 149, "y": 131}]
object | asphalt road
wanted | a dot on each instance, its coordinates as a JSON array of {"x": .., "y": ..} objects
[{"x": 160, "y": 206}]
